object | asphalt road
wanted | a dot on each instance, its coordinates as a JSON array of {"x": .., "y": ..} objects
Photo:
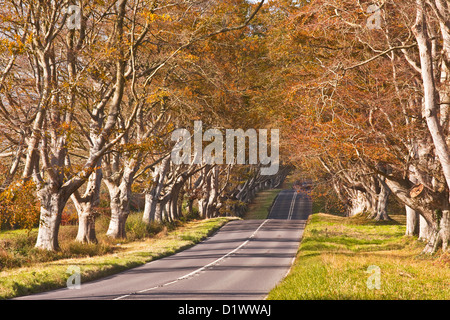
[
  {"x": 291, "y": 205},
  {"x": 243, "y": 260}
]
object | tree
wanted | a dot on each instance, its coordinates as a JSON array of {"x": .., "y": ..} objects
[
  {"x": 193, "y": 24},
  {"x": 436, "y": 101},
  {"x": 61, "y": 58},
  {"x": 341, "y": 108},
  {"x": 91, "y": 73}
]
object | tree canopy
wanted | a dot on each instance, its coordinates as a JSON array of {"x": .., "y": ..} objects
[{"x": 91, "y": 92}]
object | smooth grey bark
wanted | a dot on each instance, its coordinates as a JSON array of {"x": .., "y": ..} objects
[
  {"x": 445, "y": 229},
  {"x": 422, "y": 31},
  {"x": 431, "y": 103},
  {"x": 172, "y": 198},
  {"x": 85, "y": 205},
  {"x": 412, "y": 222},
  {"x": 424, "y": 229},
  {"x": 119, "y": 188},
  {"x": 86, "y": 224},
  {"x": 431, "y": 230},
  {"x": 52, "y": 205},
  {"x": 119, "y": 204},
  {"x": 173, "y": 203},
  {"x": 382, "y": 201},
  {"x": 208, "y": 202},
  {"x": 439, "y": 234},
  {"x": 153, "y": 194},
  {"x": 358, "y": 203}
]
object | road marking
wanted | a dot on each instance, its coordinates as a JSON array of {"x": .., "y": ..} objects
[
  {"x": 273, "y": 205},
  {"x": 199, "y": 269},
  {"x": 291, "y": 209}
]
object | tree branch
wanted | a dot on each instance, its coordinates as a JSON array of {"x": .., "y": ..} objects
[{"x": 380, "y": 55}]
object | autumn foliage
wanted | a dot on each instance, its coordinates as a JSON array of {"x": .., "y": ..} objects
[
  {"x": 19, "y": 208},
  {"x": 363, "y": 110}
]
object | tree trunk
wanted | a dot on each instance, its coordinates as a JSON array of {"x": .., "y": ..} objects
[
  {"x": 434, "y": 240},
  {"x": 120, "y": 209},
  {"x": 431, "y": 102},
  {"x": 172, "y": 203},
  {"x": 52, "y": 205},
  {"x": 119, "y": 182},
  {"x": 214, "y": 193},
  {"x": 190, "y": 206},
  {"x": 439, "y": 233},
  {"x": 86, "y": 224},
  {"x": 160, "y": 214},
  {"x": 152, "y": 196},
  {"x": 150, "y": 208},
  {"x": 383, "y": 199},
  {"x": 85, "y": 205},
  {"x": 445, "y": 229},
  {"x": 359, "y": 204},
  {"x": 206, "y": 204},
  {"x": 202, "y": 206},
  {"x": 412, "y": 222},
  {"x": 424, "y": 230}
]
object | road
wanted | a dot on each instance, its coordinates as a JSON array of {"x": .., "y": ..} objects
[
  {"x": 291, "y": 205},
  {"x": 243, "y": 260}
]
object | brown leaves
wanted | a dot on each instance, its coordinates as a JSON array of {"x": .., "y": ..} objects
[{"x": 19, "y": 207}]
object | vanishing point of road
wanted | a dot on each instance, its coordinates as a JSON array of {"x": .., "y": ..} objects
[{"x": 244, "y": 260}]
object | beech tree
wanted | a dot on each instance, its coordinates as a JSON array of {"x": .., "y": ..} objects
[
  {"x": 90, "y": 72},
  {"x": 173, "y": 70},
  {"x": 434, "y": 65},
  {"x": 57, "y": 185},
  {"x": 355, "y": 95},
  {"x": 91, "y": 92}
]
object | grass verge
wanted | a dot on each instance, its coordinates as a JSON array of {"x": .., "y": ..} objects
[
  {"x": 335, "y": 255},
  {"x": 260, "y": 206},
  {"x": 43, "y": 276}
]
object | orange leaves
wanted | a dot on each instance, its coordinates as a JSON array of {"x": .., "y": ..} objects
[
  {"x": 157, "y": 96},
  {"x": 15, "y": 46},
  {"x": 152, "y": 144},
  {"x": 19, "y": 207},
  {"x": 189, "y": 57},
  {"x": 151, "y": 17}
]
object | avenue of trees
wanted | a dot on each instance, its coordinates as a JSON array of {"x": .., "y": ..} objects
[
  {"x": 367, "y": 103},
  {"x": 90, "y": 92},
  {"x": 89, "y": 99}
]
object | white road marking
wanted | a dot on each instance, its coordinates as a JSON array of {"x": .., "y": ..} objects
[
  {"x": 273, "y": 206},
  {"x": 291, "y": 209},
  {"x": 199, "y": 269}
]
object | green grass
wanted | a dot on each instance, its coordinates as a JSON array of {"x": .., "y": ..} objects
[
  {"x": 45, "y": 275},
  {"x": 25, "y": 270},
  {"x": 336, "y": 252},
  {"x": 260, "y": 206}
]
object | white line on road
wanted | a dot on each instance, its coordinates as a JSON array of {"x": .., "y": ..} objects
[
  {"x": 273, "y": 206},
  {"x": 291, "y": 209},
  {"x": 199, "y": 269}
]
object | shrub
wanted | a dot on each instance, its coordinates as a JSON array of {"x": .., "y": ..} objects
[
  {"x": 69, "y": 218},
  {"x": 138, "y": 229},
  {"x": 19, "y": 208}
]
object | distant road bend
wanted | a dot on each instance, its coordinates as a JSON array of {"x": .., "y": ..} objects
[{"x": 243, "y": 260}]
